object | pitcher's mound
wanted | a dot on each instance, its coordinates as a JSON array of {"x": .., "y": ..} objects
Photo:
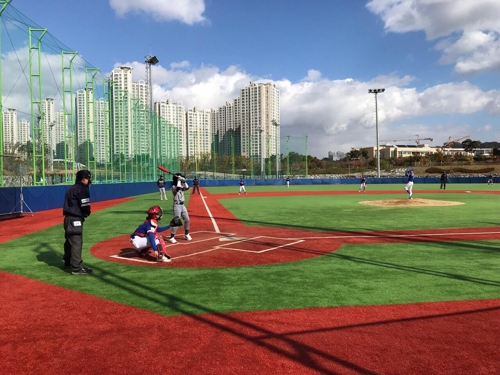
[{"x": 415, "y": 202}]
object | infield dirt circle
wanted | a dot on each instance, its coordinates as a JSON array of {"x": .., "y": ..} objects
[{"x": 415, "y": 202}]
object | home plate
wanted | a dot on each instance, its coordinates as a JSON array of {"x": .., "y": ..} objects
[{"x": 232, "y": 238}]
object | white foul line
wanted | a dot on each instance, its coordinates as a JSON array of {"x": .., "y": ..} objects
[
  {"x": 133, "y": 259},
  {"x": 216, "y": 227},
  {"x": 382, "y": 235}
]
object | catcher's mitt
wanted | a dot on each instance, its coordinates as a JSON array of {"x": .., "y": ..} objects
[{"x": 176, "y": 222}]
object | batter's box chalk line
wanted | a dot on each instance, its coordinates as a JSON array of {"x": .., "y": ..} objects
[{"x": 256, "y": 239}]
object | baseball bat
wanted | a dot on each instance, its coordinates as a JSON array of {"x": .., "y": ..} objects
[{"x": 164, "y": 170}]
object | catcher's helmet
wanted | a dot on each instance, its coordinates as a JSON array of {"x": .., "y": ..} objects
[
  {"x": 80, "y": 175},
  {"x": 155, "y": 211}
]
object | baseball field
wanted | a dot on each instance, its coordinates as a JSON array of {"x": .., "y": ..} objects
[{"x": 307, "y": 280}]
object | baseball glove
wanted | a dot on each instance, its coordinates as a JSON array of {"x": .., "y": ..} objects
[{"x": 176, "y": 222}]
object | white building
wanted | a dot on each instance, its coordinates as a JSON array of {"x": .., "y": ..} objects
[
  {"x": 10, "y": 130},
  {"x": 121, "y": 91},
  {"x": 102, "y": 148},
  {"x": 174, "y": 116},
  {"x": 199, "y": 133},
  {"x": 253, "y": 119},
  {"x": 47, "y": 121},
  {"x": 23, "y": 131}
]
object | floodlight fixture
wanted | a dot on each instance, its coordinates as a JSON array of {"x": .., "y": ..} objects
[{"x": 152, "y": 60}]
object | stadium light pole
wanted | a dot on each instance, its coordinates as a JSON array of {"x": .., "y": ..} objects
[
  {"x": 261, "y": 130},
  {"x": 278, "y": 154},
  {"x": 152, "y": 60},
  {"x": 376, "y": 92}
]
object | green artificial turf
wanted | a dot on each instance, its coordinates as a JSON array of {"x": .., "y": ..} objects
[
  {"x": 354, "y": 275},
  {"x": 349, "y": 187},
  {"x": 345, "y": 213}
]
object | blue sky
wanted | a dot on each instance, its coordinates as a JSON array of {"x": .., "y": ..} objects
[{"x": 439, "y": 60}]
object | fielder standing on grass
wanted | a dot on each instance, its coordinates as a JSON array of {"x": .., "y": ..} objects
[
  {"x": 179, "y": 186},
  {"x": 287, "y": 182},
  {"x": 242, "y": 187},
  {"x": 75, "y": 209},
  {"x": 444, "y": 180},
  {"x": 362, "y": 185},
  {"x": 409, "y": 184},
  {"x": 161, "y": 186}
]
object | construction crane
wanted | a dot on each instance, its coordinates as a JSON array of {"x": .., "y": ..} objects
[
  {"x": 450, "y": 141},
  {"x": 416, "y": 140}
]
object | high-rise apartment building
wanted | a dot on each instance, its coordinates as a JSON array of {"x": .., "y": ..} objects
[
  {"x": 47, "y": 121},
  {"x": 14, "y": 130},
  {"x": 130, "y": 110},
  {"x": 23, "y": 131},
  {"x": 174, "y": 116},
  {"x": 10, "y": 130},
  {"x": 121, "y": 92},
  {"x": 85, "y": 125},
  {"x": 227, "y": 135},
  {"x": 102, "y": 148},
  {"x": 199, "y": 133},
  {"x": 260, "y": 115},
  {"x": 58, "y": 136},
  {"x": 252, "y": 120}
]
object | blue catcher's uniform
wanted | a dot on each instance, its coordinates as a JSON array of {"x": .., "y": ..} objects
[{"x": 147, "y": 232}]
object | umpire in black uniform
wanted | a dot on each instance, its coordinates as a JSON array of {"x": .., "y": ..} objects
[
  {"x": 444, "y": 180},
  {"x": 76, "y": 208},
  {"x": 196, "y": 185}
]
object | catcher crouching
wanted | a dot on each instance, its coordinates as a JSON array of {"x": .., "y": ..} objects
[{"x": 147, "y": 236}]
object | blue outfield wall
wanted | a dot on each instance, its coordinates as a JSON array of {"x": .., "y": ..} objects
[{"x": 40, "y": 198}]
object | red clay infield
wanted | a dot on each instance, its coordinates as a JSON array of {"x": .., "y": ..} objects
[
  {"x": 38, "y": 335},
  {"x": 45, "y": 329}
]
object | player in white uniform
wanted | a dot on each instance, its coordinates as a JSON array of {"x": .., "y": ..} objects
[
  {"x": 409, "y": 184},
  {"x": 179, "y": 186}
]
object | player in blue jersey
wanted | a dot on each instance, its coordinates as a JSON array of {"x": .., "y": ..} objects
[
  {"x": 147, "y": 236},
  {"x": 242, "y": 187},
  {"x": 490, "y": 179},
  {"x": 362, "y": 185},
  {"x": 409, "y": 184}
]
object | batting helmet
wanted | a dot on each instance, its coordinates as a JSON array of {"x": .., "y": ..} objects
[
  {"x": 155, "y": 212},
  {"x": 80, "y": 175}
]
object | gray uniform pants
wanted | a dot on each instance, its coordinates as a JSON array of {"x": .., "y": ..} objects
[{"x": 181, "y": 211}]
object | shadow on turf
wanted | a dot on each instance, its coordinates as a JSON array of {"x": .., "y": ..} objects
[{"x": 302, "y": 353}]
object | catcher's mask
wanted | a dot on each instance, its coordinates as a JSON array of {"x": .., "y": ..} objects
[
  {"x": 80, "y": 175},
  {"x": 155, "y": 212}
]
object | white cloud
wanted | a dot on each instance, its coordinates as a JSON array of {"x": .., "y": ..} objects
[
  {"x": 313, "y": 76},
  {"x": 468, "y": 30},
  {"x": 186, "y": 11}
]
